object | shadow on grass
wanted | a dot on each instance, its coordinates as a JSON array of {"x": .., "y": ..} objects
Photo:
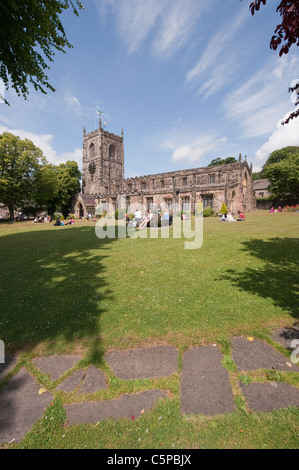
[
  {"x": 53, "y": 288},
  {"x": 278, "y": 278}
]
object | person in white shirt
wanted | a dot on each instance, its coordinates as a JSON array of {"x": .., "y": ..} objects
[{"x": 230, "y": 217}]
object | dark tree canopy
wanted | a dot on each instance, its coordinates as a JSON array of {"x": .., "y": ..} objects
[
  {"x": 222, "y": 161},
  {"x": 31, "y": 184},
  {"x": 286, "y": 35},
  {"x": 20, "y": 162},
  {"x": 281, "y": 154},
  {"x": 30, "y": 34},
  {"x": 282, "y": 170}
]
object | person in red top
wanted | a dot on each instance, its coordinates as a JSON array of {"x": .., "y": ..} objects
[{"x": 241, "y": 216}]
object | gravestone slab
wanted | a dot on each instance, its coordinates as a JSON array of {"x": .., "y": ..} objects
[
  {"x": 127, "y": 406},
  {"x": 142, "y": 363},
  {"x": 270, "y": 396},
  {"x": 205, "y": 384},
  {"x": 21, "y": 406},
  {"x": 55, "y": 366},
  {"x": 253, "y": 355}
]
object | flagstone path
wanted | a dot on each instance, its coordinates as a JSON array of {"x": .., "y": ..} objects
[{"x": 205, "y": 383}]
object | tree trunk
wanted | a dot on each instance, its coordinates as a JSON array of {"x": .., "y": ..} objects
[{"x": 11, "y": 213}]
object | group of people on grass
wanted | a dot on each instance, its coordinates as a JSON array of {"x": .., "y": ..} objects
[
  {"x": 229, "y": 217},
  {"x": 276, "y": 210},
  {"x": 60, "y": 222},
  {"x": 155, "y": 219}
]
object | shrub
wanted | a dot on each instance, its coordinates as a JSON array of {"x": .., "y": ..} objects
[
  {"x": 223, "y": 209},
  {"x": 208, "y": 212},
  {"x": 291, "y": 208},
  {"x": 119, "y": 214}
]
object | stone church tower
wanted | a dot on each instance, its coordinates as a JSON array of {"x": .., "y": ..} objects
[{"x": 103, "y": 160}]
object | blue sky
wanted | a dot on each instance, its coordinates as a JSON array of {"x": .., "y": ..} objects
[{"x": 187, "y": 80}]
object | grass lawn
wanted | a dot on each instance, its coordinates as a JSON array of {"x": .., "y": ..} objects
[{"x": 63, "y": 290}]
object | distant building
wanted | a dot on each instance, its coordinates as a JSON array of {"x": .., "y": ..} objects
[
  {"x": 260, "y": 188},
  {"x": 103, "y": 181}
]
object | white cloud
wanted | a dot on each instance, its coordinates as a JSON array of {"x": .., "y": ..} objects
[
  {"x": 177, "y": 26},
  {"x": 193, "y": 151},
  {"x": 45, "y": 143},
  {"x": 283, "y": 136},
  {"x": 259, "y": 103},
  {"x": 168, "y": 24},
  {"x": 218, "y": 63},
  {"x": 73, "y": 104}
]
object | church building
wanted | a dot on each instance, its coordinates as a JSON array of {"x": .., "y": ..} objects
[{"x": 103, "y": 181}]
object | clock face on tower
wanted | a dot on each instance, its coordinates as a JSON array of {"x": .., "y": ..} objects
[{"x": 92, "y": 168}]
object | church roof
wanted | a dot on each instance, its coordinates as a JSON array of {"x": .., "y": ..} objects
[
  {"x": 260, "y": 184},
  {"x": 88, "y": 199}
]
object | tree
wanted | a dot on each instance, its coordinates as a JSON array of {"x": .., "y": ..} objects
[
  {"x": 44, "y": 191},
  {"x": 68, "y": 178},
  {"x": 281, "y": 154},
  {"x": 282, "y": 170},
  {"x": 286, "y": 35},
  {"x": 257, "y": 175},
  {"x": 20, "y": 164},
  {"x": 28, "y": 182},
  {"x": 223, "y": 209},
  {"x": 30, "y": 34},
  {"x": 219, "y": 161}
]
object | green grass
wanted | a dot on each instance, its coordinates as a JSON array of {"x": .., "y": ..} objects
[{"x": 63, "y": 290}]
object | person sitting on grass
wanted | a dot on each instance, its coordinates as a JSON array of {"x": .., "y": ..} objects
[
  {"x": 230, "y": 217},
  {"x": 223, "y": 218},
  {"x": 241, "y": 216}
]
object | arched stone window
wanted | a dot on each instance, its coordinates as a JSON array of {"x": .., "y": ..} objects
[
  {"x": 91, "y": 151},
  {"x": 112, "y": 151}
]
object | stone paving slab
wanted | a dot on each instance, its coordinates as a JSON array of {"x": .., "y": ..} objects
[
  {"x": 55, "y": 366},
  {"x": 143, "y": 363},
  {"x": 205, "y": 384},
  {"x": 126, "y": 407},
  {"x": 285, "y": 336},
  {"x": 253, "y": 355},
  {"x": 270, "y": 396},
  {"x": 21, "y": 406},
  {"x": 94, "y": 380},
  {"x": 6, "y": 368},
  {"x": 72, "y": 382}
]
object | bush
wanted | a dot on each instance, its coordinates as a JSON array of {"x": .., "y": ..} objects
[
  {"x": 208, "y": 212},
  {"x": 120, "y": 214},
  {"x": 291, "y": 208},
  {"x": 57, "y": 215},
  {"x": 223, "y": 209}
]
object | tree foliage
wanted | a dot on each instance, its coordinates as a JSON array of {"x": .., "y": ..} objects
[
  {"x": 222, "y": 161},
  {"x": 30, "y": 34},
  {"x": 223, "y": 209},
  {"x": 282, "y": 170},
  {"x": 29, "y": 183},
  {"x": 20, "y": 162},
  {"x": 68, "y": 185},
  {"x": 257, "y": 175},
  {"x": 285, "y": 35}
]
